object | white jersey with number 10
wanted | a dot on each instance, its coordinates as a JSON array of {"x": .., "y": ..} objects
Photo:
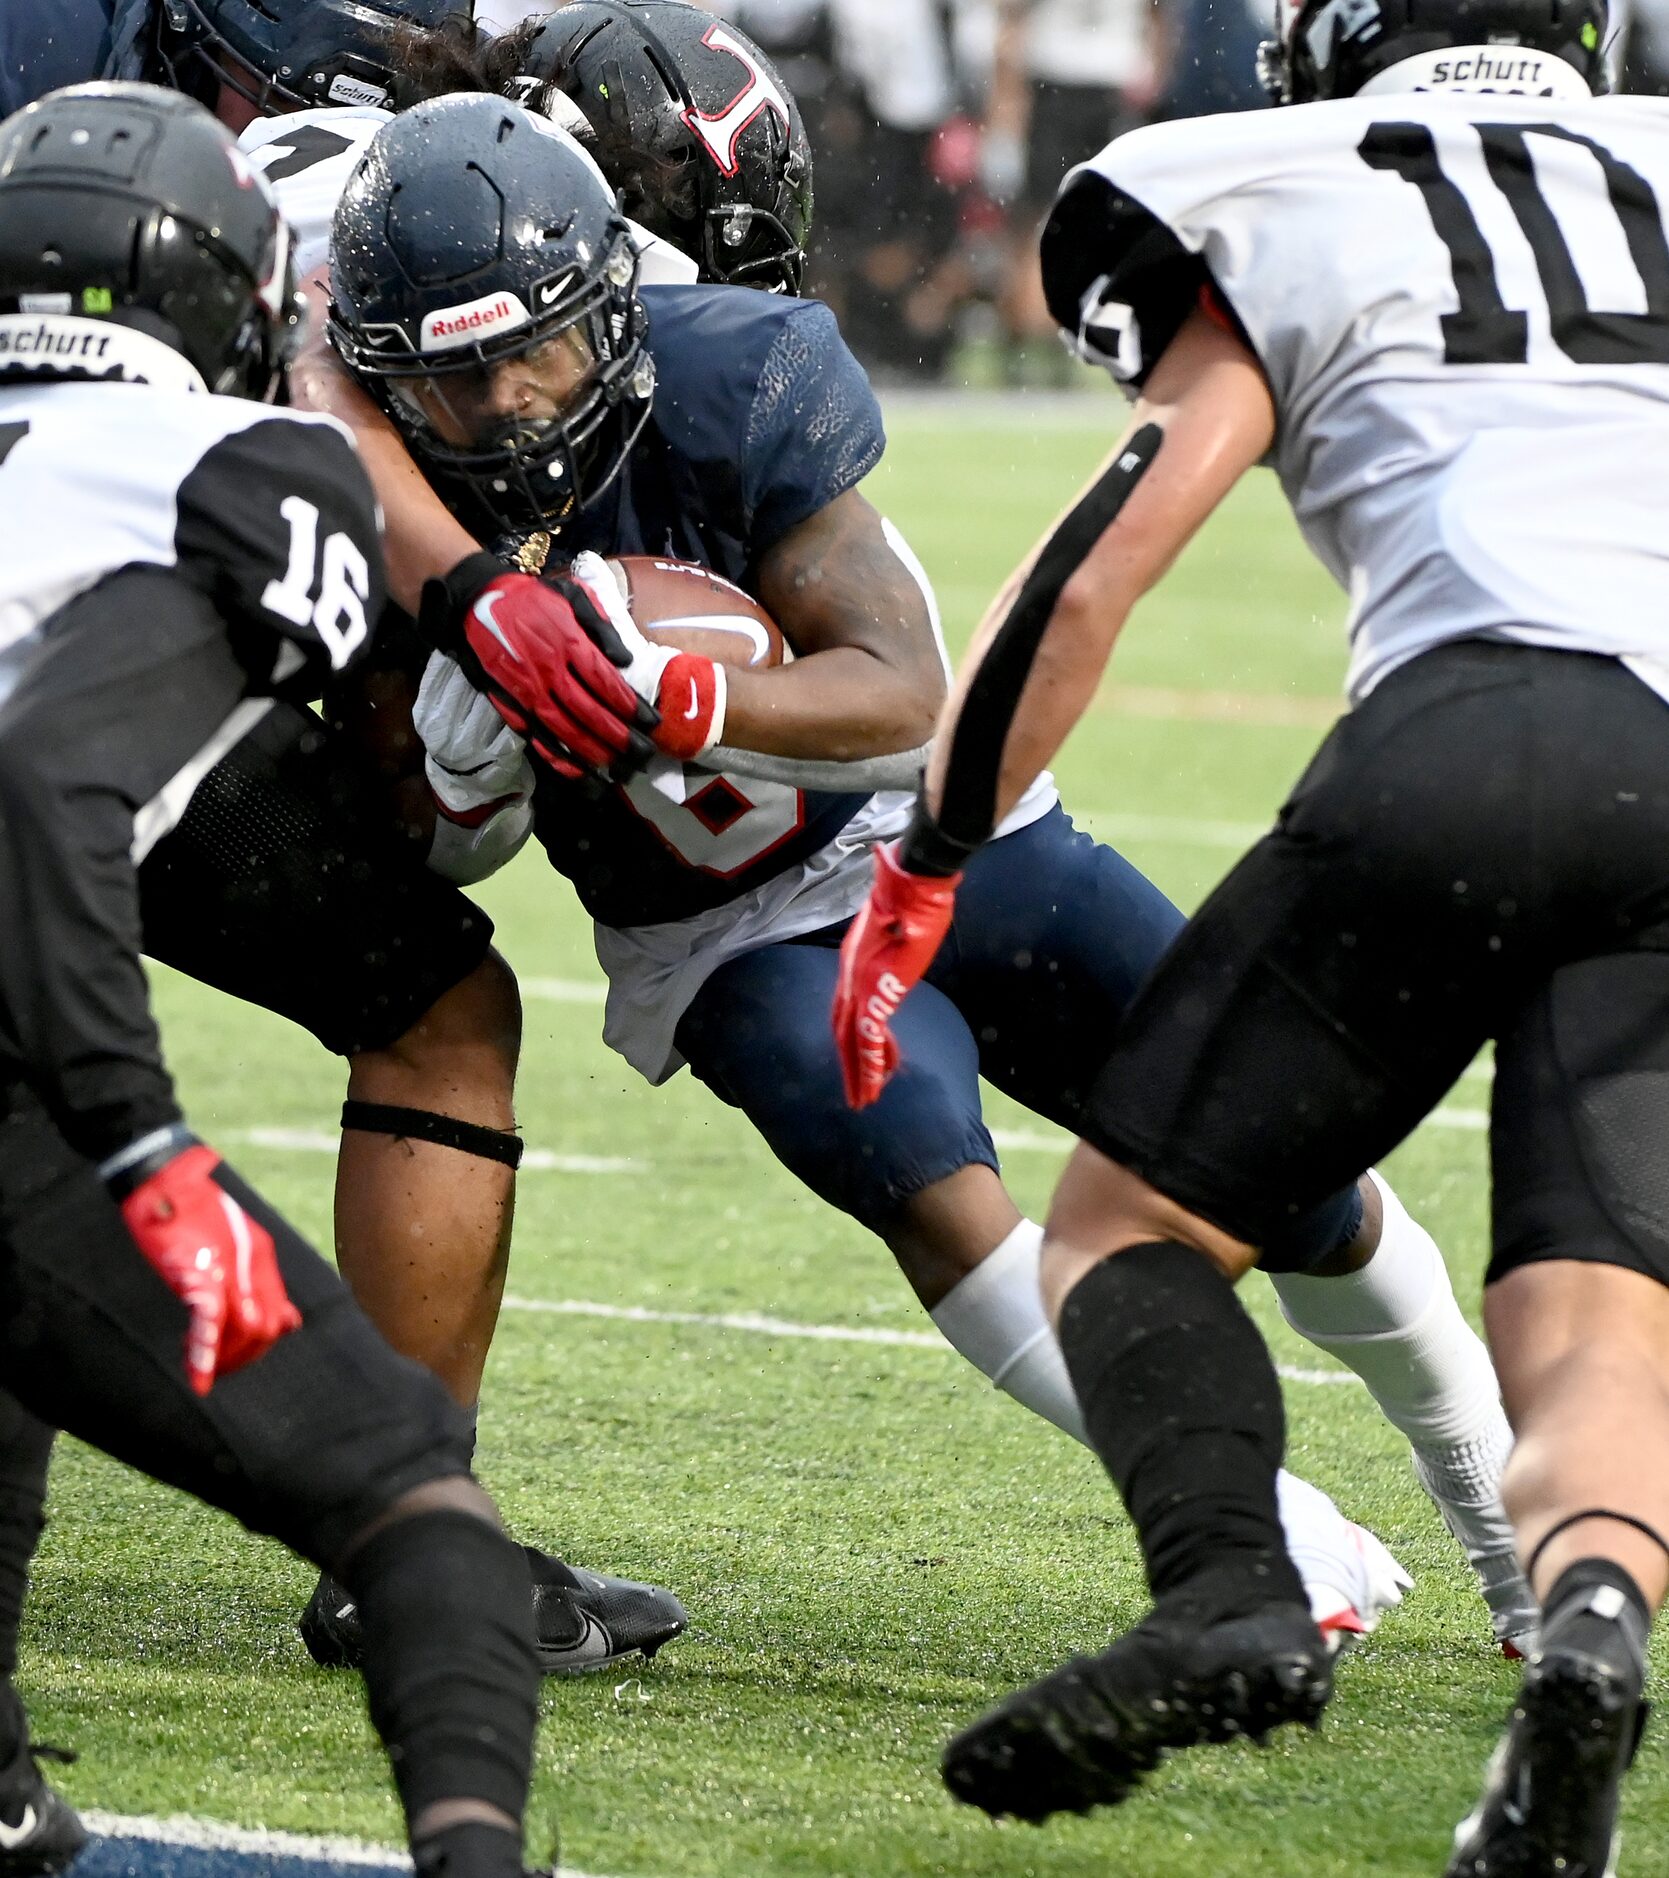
[{"x": 1462, "y": 308}]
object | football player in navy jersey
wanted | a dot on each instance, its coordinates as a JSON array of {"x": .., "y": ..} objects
[{"x": 560, "y": 413}]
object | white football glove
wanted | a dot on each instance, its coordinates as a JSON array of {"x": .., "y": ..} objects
[
  {"x": 478, "y": 771},
  {"x": 687, "y": 690}
]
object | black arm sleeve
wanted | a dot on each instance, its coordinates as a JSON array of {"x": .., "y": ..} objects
[
  {"x": 134, "y": 679},
  {"x": 968, "y": 808},
  {"x": 279, "y": 528}
]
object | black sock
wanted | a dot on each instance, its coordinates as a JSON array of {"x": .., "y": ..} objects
[
  {"x": 451, "y": 1679},
  {"x": 471, "y": 1849},
  {"x": 1596, "y": 1607},
  {"x": 14, "y": 1731},
  {"x": 1182, "y": 1404},
  {"x": 25, "y": 1452}
]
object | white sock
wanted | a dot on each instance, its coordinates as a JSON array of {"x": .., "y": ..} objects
[
  {"x": 995, "y": 1318},
  {"x": 1397, "y": 1324}
]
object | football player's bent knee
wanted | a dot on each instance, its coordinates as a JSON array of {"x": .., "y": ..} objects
[
  {"x": 475, "y": 1028},
  {"x": 451, "y": 1678},
  {"x": 1102, "y": 1207}
]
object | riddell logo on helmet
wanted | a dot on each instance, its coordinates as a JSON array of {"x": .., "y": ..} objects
[{"x": 472, "y": 322}]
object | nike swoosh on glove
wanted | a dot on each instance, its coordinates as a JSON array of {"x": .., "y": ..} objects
[
  {"x": 686, "y": 690},
  {"x": 885, "y": 953},
  {"x": 547, "y": 658},
  {"x": 218, "y": 1260}
]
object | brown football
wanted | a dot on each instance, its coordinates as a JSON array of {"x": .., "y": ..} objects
[{"x": 679, "y": 604}]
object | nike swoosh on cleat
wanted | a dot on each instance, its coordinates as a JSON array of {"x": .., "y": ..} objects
[
  {"x": 594, "y": 1647},
  {"x": 11, "y": 1837}
]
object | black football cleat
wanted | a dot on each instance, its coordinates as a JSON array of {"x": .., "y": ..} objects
[
  {"x": 1085, "y": 1735},
  {"x": 583, "y": 1620},
  {"x": 40, "y": 1832},
  {"x": 1550, "y": 1797}
]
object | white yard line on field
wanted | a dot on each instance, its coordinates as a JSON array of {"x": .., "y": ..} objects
[
  {"x": 1262, "y": 710},
  {"x": 565, "y": 990},
  {"x": 543, "y": 1161},
  {"x": 209, "y": 1835},
  {"x": 751, "y": 1323}
]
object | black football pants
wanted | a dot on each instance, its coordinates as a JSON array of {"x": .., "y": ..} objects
[
  {"x": 1479, "y": 850},
  {"x": 309, "y": 1444}
]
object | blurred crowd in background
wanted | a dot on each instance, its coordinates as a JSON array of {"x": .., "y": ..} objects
[{"x": 940, "y": 131}]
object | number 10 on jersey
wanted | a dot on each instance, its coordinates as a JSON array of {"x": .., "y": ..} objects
[{"x": 1485, "y": 330}]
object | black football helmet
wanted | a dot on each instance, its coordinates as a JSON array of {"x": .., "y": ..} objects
[
  {"x": 285, "y": 54},
  {"x": 1332, "y": 48},
  {"x": 485, "y": 293},
  {"x": 132, "y": 204},
  {"x": 693, "y": 126}
]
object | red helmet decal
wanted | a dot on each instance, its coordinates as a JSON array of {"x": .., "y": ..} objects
[{"x": 720, "y": 130}]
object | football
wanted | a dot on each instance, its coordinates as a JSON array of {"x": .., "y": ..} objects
[{"x": 677, "y": 603}]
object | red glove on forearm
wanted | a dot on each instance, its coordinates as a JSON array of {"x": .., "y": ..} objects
[
  {"x": 216, "y": 1259},
  {"x": 547, "y": 658},
  {"x": 889, "y": 946}
]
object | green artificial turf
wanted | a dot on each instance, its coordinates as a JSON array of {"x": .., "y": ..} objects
[{"x": 872, "y": 1544}]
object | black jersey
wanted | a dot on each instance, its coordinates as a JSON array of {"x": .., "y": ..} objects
[{"x": 169, "y": 561}]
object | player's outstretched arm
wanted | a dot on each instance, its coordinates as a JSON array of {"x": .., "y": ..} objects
[{"x": 1205, "y": 418}]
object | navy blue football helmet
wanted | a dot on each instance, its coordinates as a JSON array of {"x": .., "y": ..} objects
[{"x": 485, "y": 293}]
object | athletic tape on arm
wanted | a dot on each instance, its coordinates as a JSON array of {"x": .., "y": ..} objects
[{"x": 968, "y": 808}]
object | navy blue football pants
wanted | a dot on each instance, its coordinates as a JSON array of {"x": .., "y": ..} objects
[{"x": 1053, "y": 936}]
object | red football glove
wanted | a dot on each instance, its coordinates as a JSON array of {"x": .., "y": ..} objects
[
  {"x": 218, "y": 1261},
  {"x": 548, "y": 660},
  {"x": 888, "y": 947}
]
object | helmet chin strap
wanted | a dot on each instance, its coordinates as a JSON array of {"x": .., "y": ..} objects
[{"x": 1507, "y": 71}]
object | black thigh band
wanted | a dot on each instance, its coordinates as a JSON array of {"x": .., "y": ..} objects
[
  {"x": 378, "y": 1118},
  {"x": 968, "y": 809}
]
